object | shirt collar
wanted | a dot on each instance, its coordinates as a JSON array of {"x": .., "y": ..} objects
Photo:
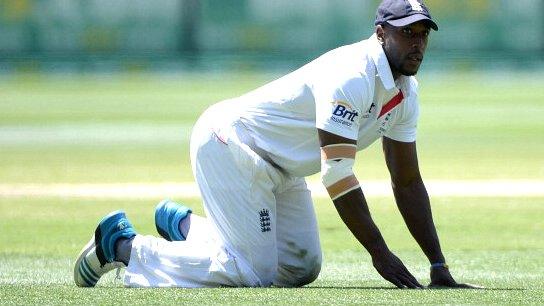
[{"x": 382, "y": 65}]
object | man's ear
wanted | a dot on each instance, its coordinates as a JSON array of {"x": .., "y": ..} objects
[{"x": 380, "y": 33}]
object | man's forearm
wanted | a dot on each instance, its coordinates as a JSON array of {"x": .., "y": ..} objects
[
  {"x": 354, "y": 211},
  {"x": 414, "y": 205}
]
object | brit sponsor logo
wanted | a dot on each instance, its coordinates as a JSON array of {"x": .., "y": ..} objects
[{"x": 343, "y": 113}]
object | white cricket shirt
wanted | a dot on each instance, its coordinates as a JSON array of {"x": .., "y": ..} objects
[{"x": 349, "y": 91}]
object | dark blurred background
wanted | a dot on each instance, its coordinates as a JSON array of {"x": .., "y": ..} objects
[{"x": 187, "y": 35}]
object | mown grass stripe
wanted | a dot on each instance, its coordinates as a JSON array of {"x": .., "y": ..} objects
[{"x": 443, "y": 188}]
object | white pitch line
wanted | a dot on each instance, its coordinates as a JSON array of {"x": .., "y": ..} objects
[
  {"x": 85, "y": 134},
  {"x": 449, "y": 188}
]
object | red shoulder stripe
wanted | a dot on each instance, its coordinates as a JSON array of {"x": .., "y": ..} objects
[{"x": 391, "y": 104}]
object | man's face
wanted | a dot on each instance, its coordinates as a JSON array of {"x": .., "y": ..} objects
[{"x": 404, "y": 46}]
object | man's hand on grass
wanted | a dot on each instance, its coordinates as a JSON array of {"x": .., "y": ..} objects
[
  {"x": 392, "y": 269},
  {"x": 442, "y": 279}
]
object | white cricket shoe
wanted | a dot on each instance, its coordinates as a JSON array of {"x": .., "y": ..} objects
[{"x": 97, "y": 256}]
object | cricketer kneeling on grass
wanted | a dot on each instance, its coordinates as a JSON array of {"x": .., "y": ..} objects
[{"x": 250, "y": 155}]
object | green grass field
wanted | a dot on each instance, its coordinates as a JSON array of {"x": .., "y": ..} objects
[
  {"x": 494, "y": 242},
  {"x": 98, "y": 129},
  {"x": 135, "y": 128}
]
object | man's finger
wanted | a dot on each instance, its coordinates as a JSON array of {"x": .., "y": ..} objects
[
  {"x": 412, "y": 278},
  {"x": 396, "y": 282},
  {"x": 414, "y": 281},
  {"x": 408, "y": 282}
]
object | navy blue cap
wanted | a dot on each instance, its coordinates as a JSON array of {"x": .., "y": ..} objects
[{"x": 401, "y": 13}]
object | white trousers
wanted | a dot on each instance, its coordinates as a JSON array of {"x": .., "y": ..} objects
[{"x": 262, "y": 227}]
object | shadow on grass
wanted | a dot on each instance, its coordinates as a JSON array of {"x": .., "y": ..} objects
[
  {"x": 482, "y": 289},
  {"x": 394, "y": 288},
  {"x": 350, "y": 287}
]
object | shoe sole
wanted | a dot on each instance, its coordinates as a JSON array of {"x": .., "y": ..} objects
[{"x": 79, "y": 277}]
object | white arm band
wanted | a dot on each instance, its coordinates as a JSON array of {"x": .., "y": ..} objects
[
  {"x": 337, "y": 169},
  {"x": 333, "y": 170}
]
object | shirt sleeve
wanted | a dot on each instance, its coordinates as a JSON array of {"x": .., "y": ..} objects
[
  {"x": 405, "y": 127},
  {"x": 338, "y": 105}
]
